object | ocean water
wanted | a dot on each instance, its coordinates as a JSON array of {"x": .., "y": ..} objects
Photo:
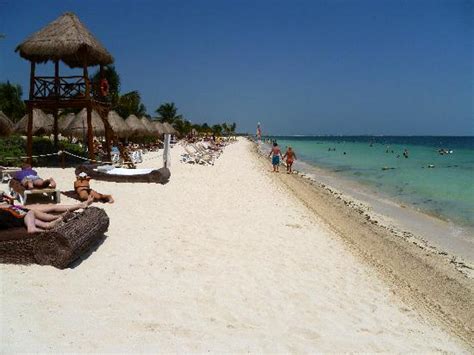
[{"x": 440, "y": 185}]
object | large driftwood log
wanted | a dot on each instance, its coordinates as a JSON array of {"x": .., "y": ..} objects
[
  {"x": 159, "y": 176},
  {"x": 58, "y": 247}
]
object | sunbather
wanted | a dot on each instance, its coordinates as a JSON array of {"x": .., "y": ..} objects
[
  {"x": 84, "y": 191},
  {"x": 29, "y": 179},
  {"x": 36, "y": 218}
]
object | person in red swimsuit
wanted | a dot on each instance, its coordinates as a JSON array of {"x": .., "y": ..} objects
[{"x": 290, "y": 158}]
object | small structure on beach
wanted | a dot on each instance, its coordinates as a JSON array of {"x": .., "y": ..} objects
[
  {"x": 169, "y": 129},
  {"x": 118, "y": 125},
  {"x": 78, "y": 125},
  {"x": 6, "y": 126},
  {"x": 137, "y": 128},
  {"x": 66, "y": 39},
  {"x": 64, "y": 122},
  {"x": 159, "y": 128},
  {"x": 150, "y": 126},
  {"x": 41, "y": 124}
]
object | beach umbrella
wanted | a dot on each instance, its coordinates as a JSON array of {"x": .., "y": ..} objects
[
  {"x": 169, "y": 129},
  {"x": 42, "y": 124},
  {"x": 6, "y": 126},
  {"x": 64, "y": 121},
  {"x": 149, "y": 125},
  {"x": 66, "y": 39},
  {"x": 118, "y": 124},
  {"x": 136, "y": 127},
  {"x": 78, "y": 126},
  {"x": 159, "y": 128}
]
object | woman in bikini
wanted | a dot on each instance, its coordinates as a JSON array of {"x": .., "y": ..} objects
[
  {"x": 36, "y": 218},
  {"x": 84, "y": 191},
  {"x": 290, "y": 158}
]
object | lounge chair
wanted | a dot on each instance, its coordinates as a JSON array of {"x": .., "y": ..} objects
[
  {"x": 18, "y": 191},
  {"x": 58, "y": 247}
]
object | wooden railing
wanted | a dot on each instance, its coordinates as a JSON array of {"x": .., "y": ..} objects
[{"x": 65, "y": 87}]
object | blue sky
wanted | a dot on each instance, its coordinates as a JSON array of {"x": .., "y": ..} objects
[{"x": 299, "y": 67}]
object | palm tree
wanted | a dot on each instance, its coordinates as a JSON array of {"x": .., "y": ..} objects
[
  {"x": 130, "y": 104},
  {"x": 167, "y": 112},
  {"x": 10, "y": 101},
  {"x": 216, "y": 129},
  {"x": 225, "y": 128},
  {"x": 232, "y": 127},
  {"x": 113, "y": 78}
]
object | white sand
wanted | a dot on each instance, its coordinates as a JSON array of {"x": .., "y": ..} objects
[{"x": 220, "y": 259}]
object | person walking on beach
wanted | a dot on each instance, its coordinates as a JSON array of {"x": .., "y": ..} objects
[
  {"x": 290, "y": 158},
  {"x": 275, "y": 153}
]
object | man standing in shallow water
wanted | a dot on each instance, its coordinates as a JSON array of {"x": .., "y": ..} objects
[
  {"x": 290, "y": 158},
  {"x": 275, "y": 153}
]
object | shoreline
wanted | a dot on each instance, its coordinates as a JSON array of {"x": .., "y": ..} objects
[
  {"x": 429, "y": 230},
  {"x": 430, "y": 279}
]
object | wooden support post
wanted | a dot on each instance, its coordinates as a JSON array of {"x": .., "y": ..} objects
[
  {"x": 32, "y": 80},
  {"x": 55, "y": 128},
  {"x": 55, "y": 112},
  {"x": 107, "y": 139},
  {"x": 86, "y": 79},
  {"x": 90, "y": 134},
  {"x": 29, "y": 135}
]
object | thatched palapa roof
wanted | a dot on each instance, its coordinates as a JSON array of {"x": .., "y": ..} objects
[
  {"x": 64, "y": 121},
  {"x": 79, "y": 124},
  {"x": 118, "y": 124},
  {"x": 150, "y": 126},
  {"x": 42, "y": 124},
  {"x": 136, "y": 126},
  {"x": 6, "y": 126},
  {"x": 66, "y": 39},
  {"x": 169, "y": 128},
  {"x": 159, "y": 127}
]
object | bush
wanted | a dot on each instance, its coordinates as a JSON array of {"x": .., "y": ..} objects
[{"x": 14, "y": 147}]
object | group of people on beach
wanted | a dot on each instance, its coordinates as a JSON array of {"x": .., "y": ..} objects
[
  {"x": 38, "y": 218},
  {"x": 275, "y": 154}
]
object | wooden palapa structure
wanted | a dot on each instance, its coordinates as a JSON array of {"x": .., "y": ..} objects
[{"x": 66, "y": 39}]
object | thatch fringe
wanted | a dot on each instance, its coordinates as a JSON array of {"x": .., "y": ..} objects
[
  {"x": 66, "y": 39},
  {"x": 6, "y": 125},
  {"x": 42, "y": 124}
]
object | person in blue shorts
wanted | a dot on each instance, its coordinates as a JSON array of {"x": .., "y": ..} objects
[{"x": 275, "y": 153}]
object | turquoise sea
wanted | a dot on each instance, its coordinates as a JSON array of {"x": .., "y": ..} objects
[{"x": 438, "y": 184}]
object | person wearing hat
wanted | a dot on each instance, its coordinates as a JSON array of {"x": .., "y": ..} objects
[{"x": 83, "y": 190}]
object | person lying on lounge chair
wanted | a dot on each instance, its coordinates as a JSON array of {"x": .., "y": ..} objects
[
  {"x": 29, "y": 179},
  {"x": 84, "y": 191},
  {"x": 36, "y": 218}
]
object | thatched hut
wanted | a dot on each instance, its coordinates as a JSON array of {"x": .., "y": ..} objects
[
  {"x": 65, "y": 39},
  {"x": 150, "y": 126},
  {"x": 6, "y": 126},
  {"x": 79, "y": 124},
  {"x": 136, "y": 127},
  {"x": 64, "y": 122},
  {"x": 118, "y": 125},
  {"x": 159, "y": 127},
  {"x": 42, "y": 124},
  {"x": 169, "y": 128}
]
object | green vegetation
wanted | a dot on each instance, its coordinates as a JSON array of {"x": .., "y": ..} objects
[
  {"x": 10, "y": 101},
  {"x": 15, "y": 147}
]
